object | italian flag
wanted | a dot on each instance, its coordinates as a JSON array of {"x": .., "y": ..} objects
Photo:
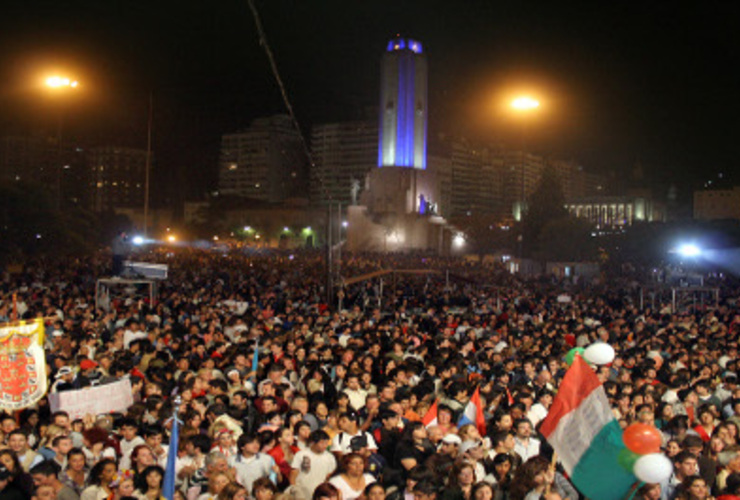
[{"x": 585, "y": 435}]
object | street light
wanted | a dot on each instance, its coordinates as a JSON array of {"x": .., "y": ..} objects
[
  {"x": 523, "y": 105},
  {"x": 56, "y": 82}
]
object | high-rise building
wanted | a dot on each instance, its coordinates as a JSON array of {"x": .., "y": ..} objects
[
  {"x": 715, "y": 204},
  {"x": 117, "y": 177},
  {"x": 61, "y": 171},
  {"x": 403, "y": 105},
  {"x": 343, "y": 154},
  {"x": 469, "y": 176},
  {"x": 264, "y": 162},
  {"x": 521, "y": 172}
]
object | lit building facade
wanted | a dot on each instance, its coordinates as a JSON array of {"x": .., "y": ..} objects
[
  {"x": 265, "y": 162},
  {"x": 343, "y": 154},
  {"x": 117, "y": 177},
  {"x": 403, "y": 106},
  {"x": 614, "y": 212}
]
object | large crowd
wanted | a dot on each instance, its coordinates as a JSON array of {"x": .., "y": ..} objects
[{"x": 335, "y": 407}]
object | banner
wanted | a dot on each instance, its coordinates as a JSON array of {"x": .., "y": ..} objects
[
  {"x": 23, "y": 378},
  {"x": 100, "y": 399}
]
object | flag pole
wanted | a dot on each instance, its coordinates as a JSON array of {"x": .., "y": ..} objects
[{"x": 168, "y": 485}]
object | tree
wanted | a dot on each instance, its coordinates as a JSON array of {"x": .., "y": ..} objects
[
  {"x": 567, "y": 239},
  {"x": 30, "y": 225}
]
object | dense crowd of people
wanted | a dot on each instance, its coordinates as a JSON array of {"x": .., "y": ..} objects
[{"x": 336, "y": 406}]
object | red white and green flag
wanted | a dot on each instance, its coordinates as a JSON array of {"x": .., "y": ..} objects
[{"x": 585, "y": 435}]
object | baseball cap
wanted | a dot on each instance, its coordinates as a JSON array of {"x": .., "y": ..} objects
[
  {"x": 358, "y": 442},
  {"x": 87, "y": 364},
  {"x": 65, "y": 370},
  {"x": 452, "y": 439},
  {"x": 469, "y": 445}
]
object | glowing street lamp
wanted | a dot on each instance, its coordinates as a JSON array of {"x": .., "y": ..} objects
[
  {"x": 56, "y": 82},
  {"x": 525, "y": 103}
]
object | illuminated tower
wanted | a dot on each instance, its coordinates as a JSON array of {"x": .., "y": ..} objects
[{"x": 403, "y": 106}]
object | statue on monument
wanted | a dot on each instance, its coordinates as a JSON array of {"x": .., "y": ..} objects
[{"x": 354, "y": 190}]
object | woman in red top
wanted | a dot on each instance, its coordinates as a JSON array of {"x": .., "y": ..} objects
[
  {"x": 706, "y": 423},
  {"x": 283, "y": 453}
]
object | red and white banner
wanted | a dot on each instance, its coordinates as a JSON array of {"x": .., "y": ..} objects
[{"x": 22, "y": 364}]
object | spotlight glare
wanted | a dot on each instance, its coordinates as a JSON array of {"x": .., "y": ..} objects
[
  {"x": 689, "y": 250},
  {"x": 458, "y": 240}
]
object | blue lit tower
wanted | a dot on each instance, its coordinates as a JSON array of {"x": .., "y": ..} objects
[{"x": 403, "y": 106}]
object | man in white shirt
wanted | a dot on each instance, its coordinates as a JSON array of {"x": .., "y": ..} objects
[
  {"x": 249, "y": 464},
  {"x": 342, "y": 443},
  {"x": 357, "y": 395},
  {"x": 132, "y": 333},
  {"x": 18, "y": 443},
  {"x": 312, "y": 466},
  {"x": 524, "y": 444},
  {"x": 130, "y": 439}
]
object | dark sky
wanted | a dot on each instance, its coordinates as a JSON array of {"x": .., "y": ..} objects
[{"x": 620, "y": 82}]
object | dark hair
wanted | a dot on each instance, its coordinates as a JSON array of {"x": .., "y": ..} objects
[
  {"x": 317, "y": 436},
  {"x": 141, "y": 483},
  {"x": 371, "y": 487},
  {"x": 75, "y": 451},
  {"x": 17, "y": 469},
  {"x": 687, "y": 483},
  {"x": 408, "y": 431},
  {"x": 425, "y": 487},
  {"x": 97, "y": 469},
  {"x": 479, "y": 486},
  {"x": 682, "y": 456},
  {"x": 263, "y": 483},
  {"x": 326, "y": 490},
  {"x": 346, "y": 459},
  {"x": 499, "y": 437},
  {"x": 56, "y": 439},
  {"x": 524, "y": 476},
  {"x": 521, "y": 421},
  {"x": 420, "y": 473},
  {"x": 245, "y": 439},
  {"x": 46, "y": 468},
  {"x": 203, "y": 443},
  {"x": 229, "y": 491}
]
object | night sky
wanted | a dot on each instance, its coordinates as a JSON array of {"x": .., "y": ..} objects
[{"x": 620, "y": 82}]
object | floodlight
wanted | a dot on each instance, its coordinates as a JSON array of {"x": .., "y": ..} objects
[{"x": 688, "y": 250}]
